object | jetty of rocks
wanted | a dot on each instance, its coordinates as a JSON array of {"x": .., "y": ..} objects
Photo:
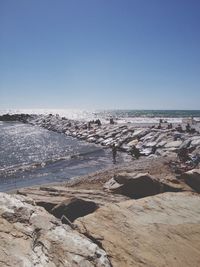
[{"x": 152, "y": 141}]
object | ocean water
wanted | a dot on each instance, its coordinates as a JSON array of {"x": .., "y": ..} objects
[
  {"x": 121, "y": 116},
  {"x": 32, "y": 155}
]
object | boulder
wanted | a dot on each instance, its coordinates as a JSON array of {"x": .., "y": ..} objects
[
  {"x": 185, "y": 144},
  {"x": 133, "y": 185},
  {"x": 162, "y": 230},
  {"x": 192, "y": 178},
  {"x": 174, "y": 144},
  {"x": 30, "y": 236},
  {"x": 150, "y": 144},
  {"x": 161, "y": 143},
  {"x": 138, "y": 185},
  {"x": 139, "y": 133},
  {"x": 195, "y": 142},
  {"x": 134, "y": 142},
  {"x": 146, "y": 151},
  {"x": 112, "y": 185}
]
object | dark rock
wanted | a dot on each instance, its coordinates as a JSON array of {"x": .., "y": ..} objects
[
  {"x": 135, "y": 185},
  {"x": 138, "y": 185},
  {"x": 15, "y": 117},
  {"x": 74, "y": 208},
  {"x": 192, "y": 178}
]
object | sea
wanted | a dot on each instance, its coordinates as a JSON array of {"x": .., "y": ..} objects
[{"x": 31, "y": 155}]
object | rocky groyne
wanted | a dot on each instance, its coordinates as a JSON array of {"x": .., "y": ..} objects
[{"x": 164, "y": 139}]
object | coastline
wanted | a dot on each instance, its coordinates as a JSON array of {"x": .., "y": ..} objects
[
  {"x": 116, "y": 224},
  {"x": 132, "y": 140},
  {"x": 132, "y": 214}
]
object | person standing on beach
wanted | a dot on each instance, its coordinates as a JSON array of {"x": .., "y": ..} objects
[{"x": 114, "y": 153}]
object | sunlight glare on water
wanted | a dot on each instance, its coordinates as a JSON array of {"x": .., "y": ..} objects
[{"x": 30, "y": 154}]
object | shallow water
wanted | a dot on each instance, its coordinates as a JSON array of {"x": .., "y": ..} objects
[{"x": 32, "y": 155}]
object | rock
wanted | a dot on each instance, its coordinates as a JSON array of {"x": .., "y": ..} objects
[
  {"x": 161, "y": 143},
  {"x": 185, "y": 144},
  {"x": 162, "y": 230},
  {"x": 138, "y": 185},
  {"x": 16, "y": 117},
  {"x": 133, "y": 142},
  {"x": 32, "y": 237},
  {"x": 73, "y": 208},
  {"x": 150, "y": 137},
  {"x": 61, "y": 200},
  {"x": 111, "y": 185},
  {"x": 150, "y": 144},
  {"x": 195, "y": 142},
  {"x": 146, "y": 151},
  {"x": 139, "y": 133},
  {"x": 165, "y": 153},
  {"x": 174, "y": 144},
  {"x": 192, "y": 178}
]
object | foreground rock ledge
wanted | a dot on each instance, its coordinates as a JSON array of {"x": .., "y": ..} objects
[
  {"x": 30, "y": 236},
  {"x": 161, "y": 230}
]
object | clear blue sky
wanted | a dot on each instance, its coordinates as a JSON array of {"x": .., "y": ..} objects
[{"x": 121, "y": 54}]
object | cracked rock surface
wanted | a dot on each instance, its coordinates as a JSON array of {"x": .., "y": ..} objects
[
  {"x": 30, "y": 236},
  {"x": 161, "y": 230}
]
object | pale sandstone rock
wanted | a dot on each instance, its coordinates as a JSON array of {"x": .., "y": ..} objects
[
  {"x": 55, "y": 195},
  {"x": 29, "y": 236},
  {"x": 161, "y": 230},
  {"x": 70, "y": 202},
  {"x": 134, "y": 142}
]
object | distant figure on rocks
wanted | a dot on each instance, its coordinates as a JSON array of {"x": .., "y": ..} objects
[
  {"x": 169, "y": 126},
  {"x": 89, "y": 125},
  {"x": 111, "y": 121},
  {"x": 114, "y": 153},
  {"x": 159, "y": 126},
  {"x": 179, "y": 128},
  {"x": 135, "y": 152},
  {"x": 98, "y": 122},
  {"x": 188, "y": 128}
]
